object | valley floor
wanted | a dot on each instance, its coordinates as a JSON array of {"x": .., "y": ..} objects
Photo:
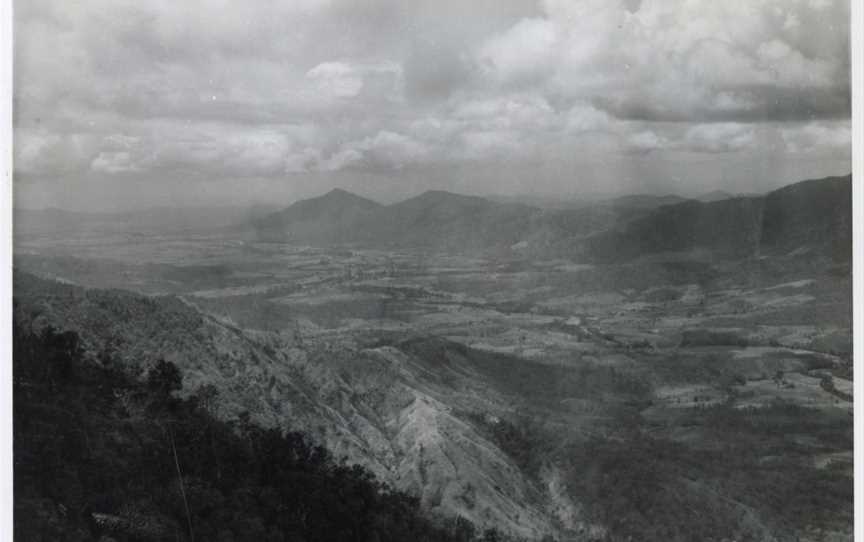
[{"x": 674, "y": 398}]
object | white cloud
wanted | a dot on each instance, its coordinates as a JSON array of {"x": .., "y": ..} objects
[
  {"x": 340, "y": 160},
  {"x": 583, "y": 117},
  {"x": 720, "y": 137},
  {"x": 526, "y": 111},
  {"x": 336, "y": 79},
  {"x": 384, "y": 149},
  {"x": 167, "y": 89},
  {"x": 683, "y": 60},
  {"x": 114, "y": 162},
  {"x": 523, "y": 53},
  {"x": 344, "y": 80},
  {"x": 818, "y": 136},
  {"x": 49, "y": 153},
  {"x": 645, "y": 141}
]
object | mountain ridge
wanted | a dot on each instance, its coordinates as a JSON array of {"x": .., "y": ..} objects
[
  {"x": 809, "y": 215},
  {"x": 376, "y": 406},
  {"x": 326, "y": 218},
  {"x": 620, "y": 228}
]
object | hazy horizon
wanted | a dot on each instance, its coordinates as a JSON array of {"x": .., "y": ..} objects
[{"x": 528, "y": 198}]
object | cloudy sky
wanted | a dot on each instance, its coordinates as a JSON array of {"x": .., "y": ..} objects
[{"x": 124, "y": 103}]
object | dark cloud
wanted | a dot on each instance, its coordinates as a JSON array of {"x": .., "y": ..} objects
[{"x": 748, "y": 104}]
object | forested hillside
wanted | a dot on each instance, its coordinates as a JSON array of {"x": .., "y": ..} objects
[{"x": 99, "y": 454}]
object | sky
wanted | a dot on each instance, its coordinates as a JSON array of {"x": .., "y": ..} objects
[{"x": 122, "y": 104}]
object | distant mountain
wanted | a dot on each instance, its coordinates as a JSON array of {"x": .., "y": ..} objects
[
  {"x": 329, "y": 219},
  {"x": 808, "y": 214},
  {"x": 633, "y": 201},
  {"x": 642, "y": 201},
  {"x": 714, "y": 195},
  {"x": 719, "y": 195},
  {"x": 448, "y": 221},
  {"x": 439, "y": 220},
  {"x": 811, "y": 215},
  {"x": 435, "y": 219},
  {"x": 541, "y": 201}
]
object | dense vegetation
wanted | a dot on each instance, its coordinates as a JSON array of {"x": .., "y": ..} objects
[{"x": 98, "y": 453}]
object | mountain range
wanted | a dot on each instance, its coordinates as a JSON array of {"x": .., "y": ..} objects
[
  {"x": 811, "y": 214},
  {"x": 807, "y": 216}
]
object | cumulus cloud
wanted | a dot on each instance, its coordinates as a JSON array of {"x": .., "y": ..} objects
[
  {"x": 586, "y": 118},
  {"x": 339, "y": 160},
  {"x": 684, "y": 60},
  {"x": 523, "y": 53},
  {"x": 526, "y": 112},
  {"x": 645, "y": 141},
  {"x": 384, "y": 149},
  {"x": 818, "y": 136},
  {"x": 720, "y": 137},
  {"x": 336, "y": 79},
  {"x": 282, "y": 90},
  {"x": 344, "y": 80},
  {"x": 50, "y": 154}
]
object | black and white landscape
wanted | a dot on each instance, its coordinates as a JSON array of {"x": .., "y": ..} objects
[{"x": 386, "y": 271}]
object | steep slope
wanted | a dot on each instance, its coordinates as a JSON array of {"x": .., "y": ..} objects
[
  {"x": 330, "y": 218},
  {"x": 730, "y": 228},
  {"x": 93, "y": 452},
  {"x": 810, "y": 214},
  {"x": 448, "y": 221},
  {"x": 377, "y": 406},
  {"x": 807, "y": 216}
]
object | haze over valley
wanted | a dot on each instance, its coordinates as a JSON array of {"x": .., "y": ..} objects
[{"x": 498, "y": 360}]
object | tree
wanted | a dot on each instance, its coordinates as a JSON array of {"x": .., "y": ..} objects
[
  {"x": 164, "y": 377},
  {"x": 208, "y": 396}
]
